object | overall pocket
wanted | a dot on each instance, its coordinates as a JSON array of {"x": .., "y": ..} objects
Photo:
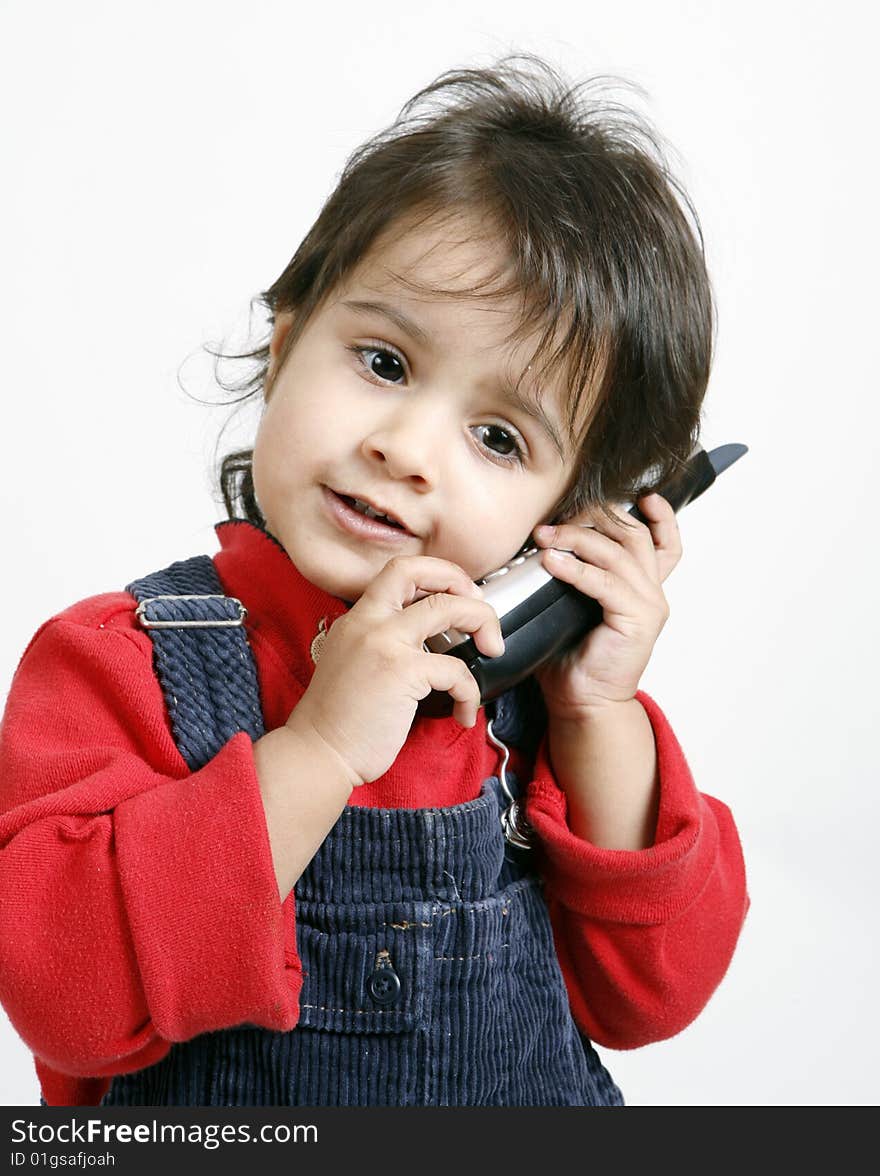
[{"x": 366, "y": 968}]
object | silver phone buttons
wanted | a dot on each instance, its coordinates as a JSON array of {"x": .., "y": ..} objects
[
  {"x": 441, "y": 642},
  {"x": 438, "y": 643},
  {"x": 522, "y": 557}
]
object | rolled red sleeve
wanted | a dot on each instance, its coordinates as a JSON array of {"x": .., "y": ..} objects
[
  {"x": 643, "y": 936},
  {"x": 140, "y": 905},
  {"x": 201, "y": 900}
]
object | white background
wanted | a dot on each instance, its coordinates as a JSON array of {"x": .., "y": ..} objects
[{"x": 161, "y": 164}]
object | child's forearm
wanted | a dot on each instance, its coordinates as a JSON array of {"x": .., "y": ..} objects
[
  {"x": 304, "y": 788},
  {"x": 607, "y": 766}
]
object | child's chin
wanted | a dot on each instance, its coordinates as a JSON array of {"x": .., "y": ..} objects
[
  {"x": 337, "y": 570},
  {"x": 342, "y": 589},
  {"x": 321, "y": 564}
]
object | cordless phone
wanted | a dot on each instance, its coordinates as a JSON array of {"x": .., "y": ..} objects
[{"x": 542, "y": 616}]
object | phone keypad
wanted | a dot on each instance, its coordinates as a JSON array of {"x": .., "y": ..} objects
[{"x": 521, "y": 558}]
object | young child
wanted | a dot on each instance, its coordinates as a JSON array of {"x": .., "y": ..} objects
[{"x": 304, "y": 887}]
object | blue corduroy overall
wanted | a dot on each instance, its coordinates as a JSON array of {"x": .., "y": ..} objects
[{"x": 430, "y": 975}]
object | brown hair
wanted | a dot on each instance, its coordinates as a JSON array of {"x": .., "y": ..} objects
[{"x": 603, "y": 246}]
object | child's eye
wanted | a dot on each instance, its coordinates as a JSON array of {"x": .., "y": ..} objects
[
  {"x": 384, "y": 365},
  {"x": 501, "y": 442},
  {"x": 382, "y": 362}
]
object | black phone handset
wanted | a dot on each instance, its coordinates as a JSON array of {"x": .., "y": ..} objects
[{"x": 542, "y": 616}]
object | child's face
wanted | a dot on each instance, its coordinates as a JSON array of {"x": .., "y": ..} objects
[{"x": 419, "y": 426}]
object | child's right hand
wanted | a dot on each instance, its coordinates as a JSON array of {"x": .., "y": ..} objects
[{"x": 373, "y": 668}]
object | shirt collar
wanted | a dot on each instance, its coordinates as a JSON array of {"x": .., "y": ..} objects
[{"x": 282, "y": 604}]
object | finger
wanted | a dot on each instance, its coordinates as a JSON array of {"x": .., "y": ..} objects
[
  {"x": 628, "y": 532},
  {"x": 407, "y": 578},
  {"x": 605, "y": 551},
  {"x": 443, "y": 672},
  {"x": 634, "y": 535},
  {"x": 616, "y": 595},
  {"x": 665, "y": 533},
  {"x": 440, "y": 611}
]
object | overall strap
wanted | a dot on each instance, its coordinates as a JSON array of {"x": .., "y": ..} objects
[{"x": 201, "y": 656}]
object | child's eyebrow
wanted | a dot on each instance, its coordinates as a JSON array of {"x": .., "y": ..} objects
[
  {"x": 412, "y": 328},
  {"x": 509, "y": 393}
]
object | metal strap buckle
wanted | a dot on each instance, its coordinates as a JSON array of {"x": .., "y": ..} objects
[
  {"x": 517, "y": 829},
  {"x": 231, "y": 622}
]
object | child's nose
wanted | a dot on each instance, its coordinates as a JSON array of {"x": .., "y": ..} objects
[{"x": 410, "y": 441}]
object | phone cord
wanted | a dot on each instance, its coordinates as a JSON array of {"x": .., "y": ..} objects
[{"x": 517, "y": 830}]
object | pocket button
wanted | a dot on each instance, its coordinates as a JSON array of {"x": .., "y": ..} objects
[{"x": 384, "y": 985}]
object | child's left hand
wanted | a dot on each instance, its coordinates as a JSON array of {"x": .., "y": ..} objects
[{"x": 622, "y": 568}]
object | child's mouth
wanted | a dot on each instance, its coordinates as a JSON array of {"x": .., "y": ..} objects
[
  {"x": 364, "y": 509},
  {"x": 357, "y": 518}
]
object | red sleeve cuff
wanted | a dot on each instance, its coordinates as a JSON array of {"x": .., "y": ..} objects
[
  {"x": 649, "y": 885},
  {"x": 214, "y": 944}
]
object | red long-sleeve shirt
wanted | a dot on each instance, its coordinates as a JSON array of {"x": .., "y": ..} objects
[{"x": 138, "y": 900}]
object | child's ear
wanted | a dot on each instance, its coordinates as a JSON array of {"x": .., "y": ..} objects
[{"x": 281, "y": 327}]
